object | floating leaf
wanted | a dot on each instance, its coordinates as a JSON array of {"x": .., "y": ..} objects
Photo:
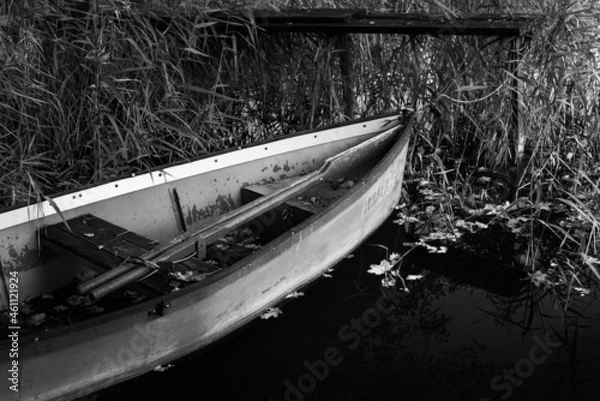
[
  {"x": 538, "y": 278},
  {"x": 295, "y": 294},
  {"x": 414, "y": 277},
  {"x": 378, "y": 269}
]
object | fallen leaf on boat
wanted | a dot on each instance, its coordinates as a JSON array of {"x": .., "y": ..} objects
[
  {"x": 86, "y": 275},
  {"x": 271, "y": 312},
  {"x": 25, "y": 309},
  {"x": 348, "y": 184},
  {"x": 181, "y": 276},
  {"x": 175, "y": 284},
  {"x": 37, "y": 318},
  {"x": 246, "y": 231},
  {"x": 161, "y": 368},
  {"x": 76, "y": 300},
  {"x": 94, "y": 309},
  {"x": 188, "y": 276},
  {"x": 295, "y": 294}
]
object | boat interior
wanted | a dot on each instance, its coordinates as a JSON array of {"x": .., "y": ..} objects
[{"x": 97, "y": 246}]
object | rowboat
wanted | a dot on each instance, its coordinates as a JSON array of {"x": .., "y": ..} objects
[{"x": 108, "y": 282}]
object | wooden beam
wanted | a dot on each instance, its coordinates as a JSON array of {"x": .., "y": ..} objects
[{"x": 360, "y": 21}]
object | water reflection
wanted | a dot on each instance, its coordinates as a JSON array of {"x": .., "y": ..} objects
[{"x": 468, "y": 330}]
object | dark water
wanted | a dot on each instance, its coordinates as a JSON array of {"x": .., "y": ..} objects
[{"x": 468, "y": 330}]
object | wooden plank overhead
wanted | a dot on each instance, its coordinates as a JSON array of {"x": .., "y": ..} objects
[{"x": 338, "y": 21}]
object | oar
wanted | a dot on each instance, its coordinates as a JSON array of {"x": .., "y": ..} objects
[{"x": 130, "y": 272}]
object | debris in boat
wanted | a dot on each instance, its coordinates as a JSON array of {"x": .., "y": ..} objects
[
  {"x": 85, "y": 275},
  {"x": 271, "y": 312},
  {"x": 94, "y": 309},
  {"x": 337, "y": 182},
  {"x": 161, "y": 368},
  {"x": 76, "y": 300},
  {"x": 348, "y": 184},
  {"x": 47, "y": 296},
  {"x": 89, "y": 235},
  {"x": 175, "y": 285},
  {"x": 134, "y": 296},
  {"x": 37, "y": 319},
  {"x": 60, "y": 308},
  {"x": 295, "y": 294},
  {"x": 246, "y": 232},
  {"x": 25, "y": 309},
  {"x": 187, "y": 276}
]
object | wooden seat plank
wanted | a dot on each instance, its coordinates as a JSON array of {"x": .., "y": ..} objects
[
  {"x": 101, "y": 239},
  {"x": 119, "y": 232},
  {"x": 100, "y": 247}
]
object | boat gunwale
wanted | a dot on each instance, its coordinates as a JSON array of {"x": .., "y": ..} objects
[
  {"x": 217, "y": 281},
  {"x": 161, "y": 168}
]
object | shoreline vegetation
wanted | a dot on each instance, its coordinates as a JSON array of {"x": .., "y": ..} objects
[{"x": 92, "y": 90}]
